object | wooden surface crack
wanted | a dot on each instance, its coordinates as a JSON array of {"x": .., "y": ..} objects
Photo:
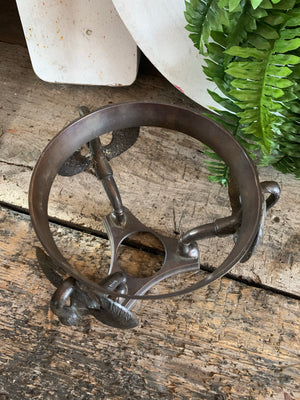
[{"x": 16, "y": 164}]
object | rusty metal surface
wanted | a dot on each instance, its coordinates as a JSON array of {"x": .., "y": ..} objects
[{"x": 245, "y": 192}]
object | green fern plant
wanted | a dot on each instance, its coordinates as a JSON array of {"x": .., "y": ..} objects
[{"x": 252, "y": 50}]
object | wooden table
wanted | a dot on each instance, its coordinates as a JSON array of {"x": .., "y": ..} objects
[{"x": 236, "y": 339}]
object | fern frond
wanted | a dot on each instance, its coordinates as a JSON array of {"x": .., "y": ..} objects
[
  {"x": 218, "y": 170},
  {"x": 288, "y": 165},
  {"x": 264, "y": 87},
  {"x": 215, "y": 70},
  {"x": 254, "y": 59},
  {"x": 203, "y": 17}
]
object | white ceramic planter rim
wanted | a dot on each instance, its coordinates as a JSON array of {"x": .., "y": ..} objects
[{"x": 158, "y": 27}]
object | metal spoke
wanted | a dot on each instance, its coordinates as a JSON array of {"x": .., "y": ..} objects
[
  {"x": 220, "y": 227},
  {"x": 105, "y": 174}
]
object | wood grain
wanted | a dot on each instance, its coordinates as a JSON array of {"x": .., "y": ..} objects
[
  {"x": 228, "y": 341},
  {"x": 162, "y": 178}
]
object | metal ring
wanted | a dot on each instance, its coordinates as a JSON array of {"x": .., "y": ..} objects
[{"x": 136, "y": 114}]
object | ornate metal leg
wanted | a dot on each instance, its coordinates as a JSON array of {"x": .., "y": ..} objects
[{"x": 69, "y": 303}]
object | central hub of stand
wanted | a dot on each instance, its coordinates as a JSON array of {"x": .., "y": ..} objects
[{"x": 174, "y": 262}]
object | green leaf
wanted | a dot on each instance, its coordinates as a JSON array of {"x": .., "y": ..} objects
[
  {"x": 259, "y": 42},
  {"x": 254, "y": 60},
  {"x": 246, "y": 70},
  {"x": 279, "y": 83},
  {"x": 275, "y": 19},
  {"x": 290, "y": 33},
  {"x": 284, "y": 5},
  {"x": 222, "y": 122},
  {"x": 245, "y": 52},
  {"x": 292, "y": 138},
  {"x": 245, "y": 95},
  {"x": 279, "y": 72},
  {"x": 267, "y": 31},
  {"x": 250, "y": 146},
  {"x": 245, "y": 84},
  {"x": 288, "y": 96},
  {"x": 219, "y": 38},
  {"x": 294, "y": 107},
  {"x": 283, "y": 46},
  {"x": 266, "y": 4},
  {"x": 213, "y": 69},
  {"x": 233, "y": 4},
  {"x": 226, "y": 103},
  {"x": 249, "y": 114},
  {"x": 272, "y": 105},
  {"x": 291, "y": 127},
  {"x": 284, "y": 59},
  {"x": 217, "y": 179},
  {"x": 203, "y": 17},
  {"x": 258, "y": 13},
  {"x": 273, "y": 92},
  {"x": 288, "y": 165},
  {"x": 228, "y": 116},
  {"x": 255, "y": 3},
  {"x": 294, "y": 18}
]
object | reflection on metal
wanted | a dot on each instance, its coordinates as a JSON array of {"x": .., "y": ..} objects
[
  {"x": 111, "y": 299},
  {"x": 273, "y": 189}
]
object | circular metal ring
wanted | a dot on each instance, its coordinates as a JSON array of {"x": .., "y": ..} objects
[{"x": 129, "y": 115}]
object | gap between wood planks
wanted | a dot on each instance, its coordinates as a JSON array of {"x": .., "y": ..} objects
[
  {"x": 34, "y": 111},
  {"x": 151, "y": 250},
  {"x": 228, "y": 341}
]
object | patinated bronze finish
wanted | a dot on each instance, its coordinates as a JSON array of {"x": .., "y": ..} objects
[{"x": 111, "y": 299}]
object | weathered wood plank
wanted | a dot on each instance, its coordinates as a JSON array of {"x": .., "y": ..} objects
[
  {"x": 228, "y": 341},
  {"x": 161, "y": 179}
]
